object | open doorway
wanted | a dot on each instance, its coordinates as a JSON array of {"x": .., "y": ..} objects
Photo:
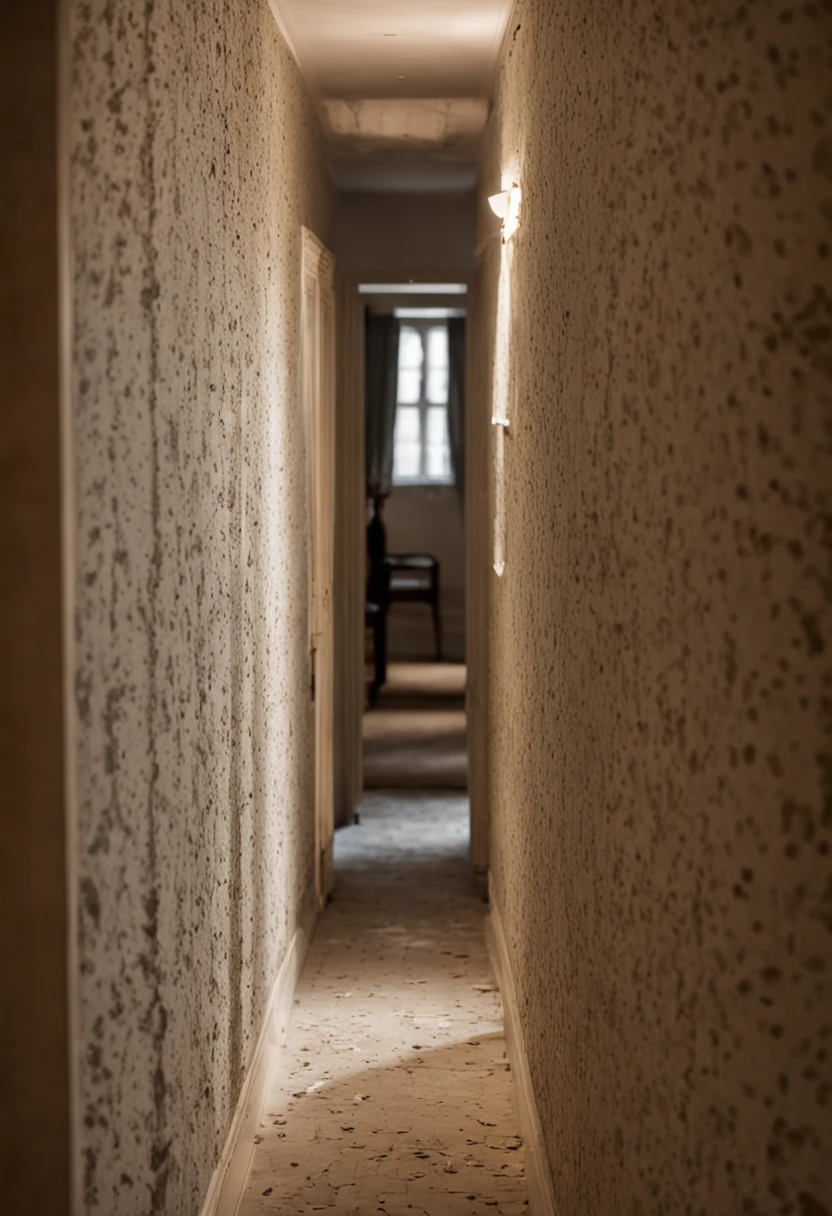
[{"x": 414, "y": 726}]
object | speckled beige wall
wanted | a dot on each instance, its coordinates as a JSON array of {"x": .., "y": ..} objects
[
  {"x": 660, "y": 681},
  {"x": 196, "y": 158}
]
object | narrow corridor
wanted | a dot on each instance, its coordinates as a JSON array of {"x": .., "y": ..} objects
[
  {"x": 430, "y": 396},
  {"x": 393, "y": 1094}
]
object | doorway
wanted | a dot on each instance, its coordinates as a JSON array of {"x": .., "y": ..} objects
[{"x": 414, "y": 725}]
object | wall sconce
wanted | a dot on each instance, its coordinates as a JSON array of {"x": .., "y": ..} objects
[
  {"x": 499, "y": 204},
  {"x": 506, "y": 206}
]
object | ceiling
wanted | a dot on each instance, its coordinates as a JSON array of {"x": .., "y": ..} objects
[{"x": 403, "y": 86}]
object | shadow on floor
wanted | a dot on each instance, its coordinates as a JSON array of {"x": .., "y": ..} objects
[
  {"x": 415, "y": 737},
  {"x": 393, "y": 1141},
  {"x": 393, "y": 1094}
]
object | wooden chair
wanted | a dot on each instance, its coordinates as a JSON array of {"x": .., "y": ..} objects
[
  {"x": 375, "y": 618},
  {"x": 395, "y": 578},
  {"x": 376, "y": 605},
  {"x": 414, "y": 579}
]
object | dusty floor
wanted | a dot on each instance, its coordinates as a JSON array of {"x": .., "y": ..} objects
[
  {"x": 415, "y": 737},
  {"x": 393, "y": 1094}
]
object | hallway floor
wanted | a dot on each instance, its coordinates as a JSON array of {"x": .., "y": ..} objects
[
  {"x": 393, "y": 1094},
  {"x": 415, "y": 737}
]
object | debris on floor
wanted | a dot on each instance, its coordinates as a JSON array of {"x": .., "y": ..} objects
[{"x": 393, "y": 1094}]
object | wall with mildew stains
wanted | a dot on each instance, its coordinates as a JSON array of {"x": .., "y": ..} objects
[
  {"x": 195, "y": 159},
  {"x": 659, "y": 761}
]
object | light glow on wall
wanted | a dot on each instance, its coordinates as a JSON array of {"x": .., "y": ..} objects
[
  {"x": 499, "y": 204},
  {"x": 500, "y": 390},
  {"x": 512, "y": 220},
  {"x": 506, "y": 206}
]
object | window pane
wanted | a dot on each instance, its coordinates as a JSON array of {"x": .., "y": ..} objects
[
  {"x": 410, "y": 347},
  {"x": 411, "y": 357},
  {"x": 437, "y": 377},
  {"x": 406, "y": 461},
  {"x": 407, "y": 446},
  {"x": 437, "y": 424},
  {"x": 410, "y": 383},
  {"x": 438, "y": 462},
  {"x": 438, "y": 346},
  {"x": 437, "y": 448},
  {"x": 407, "y": 424},
  {"x": 438, "y": 385}
]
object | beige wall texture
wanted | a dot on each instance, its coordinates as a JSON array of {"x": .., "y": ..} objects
[
  {"x": 660, "y": 681},
  {"x": 34, "y": 1123},
  {"x": 195, "y": 159}
]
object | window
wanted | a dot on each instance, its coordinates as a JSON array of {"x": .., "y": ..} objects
[{"x": 421, "y": 446}]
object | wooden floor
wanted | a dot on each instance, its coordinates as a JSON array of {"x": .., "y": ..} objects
[{"x": 394, "y": 1094}]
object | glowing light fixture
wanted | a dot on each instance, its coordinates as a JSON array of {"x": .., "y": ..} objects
[
  {"x": 499, "y": 204},
  {"x": 506, "y": 206}
]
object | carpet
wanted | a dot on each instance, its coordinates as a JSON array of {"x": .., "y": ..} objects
[{"x": 415, "y": 737}]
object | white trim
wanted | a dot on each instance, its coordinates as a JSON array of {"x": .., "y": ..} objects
[
  {"x": 228, "y": 1184},
  {"x": 412, "y": 288},
  {"x": 541, "y": 1194},
  {"x": 350, "y": 548},
  {"x": 428, "y": 314},
  {"x": 316, "y": 257},
  {"x": 317, "y": 347}
]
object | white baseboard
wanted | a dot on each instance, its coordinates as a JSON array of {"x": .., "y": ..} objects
[
  {"x": 230, "y": 1177},
  {"x": 541, "y": 1193}
]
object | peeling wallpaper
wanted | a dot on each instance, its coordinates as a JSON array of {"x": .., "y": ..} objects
[
  {"x": 659, "y": 760},
  {"x": 195, "y": 158}
]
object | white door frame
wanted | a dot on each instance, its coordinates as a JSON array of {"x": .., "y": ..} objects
[
  {"x": 318, "y": 390},
  {"x": 350, "y": 544}
]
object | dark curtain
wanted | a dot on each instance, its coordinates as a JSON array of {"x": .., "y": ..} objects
[
  {"x": 381, "y": 376},
  {"x": 456, "y": 399}
]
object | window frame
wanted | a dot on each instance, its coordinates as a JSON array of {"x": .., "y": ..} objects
[{"x": 423, "y": 325}]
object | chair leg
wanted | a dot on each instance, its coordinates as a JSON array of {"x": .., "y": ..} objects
[
  {"x": 379, "y": 657},
  {"x": 382, "y": 644}
]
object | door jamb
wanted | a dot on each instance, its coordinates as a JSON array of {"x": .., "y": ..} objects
[{"x": 318, "y": 395}]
